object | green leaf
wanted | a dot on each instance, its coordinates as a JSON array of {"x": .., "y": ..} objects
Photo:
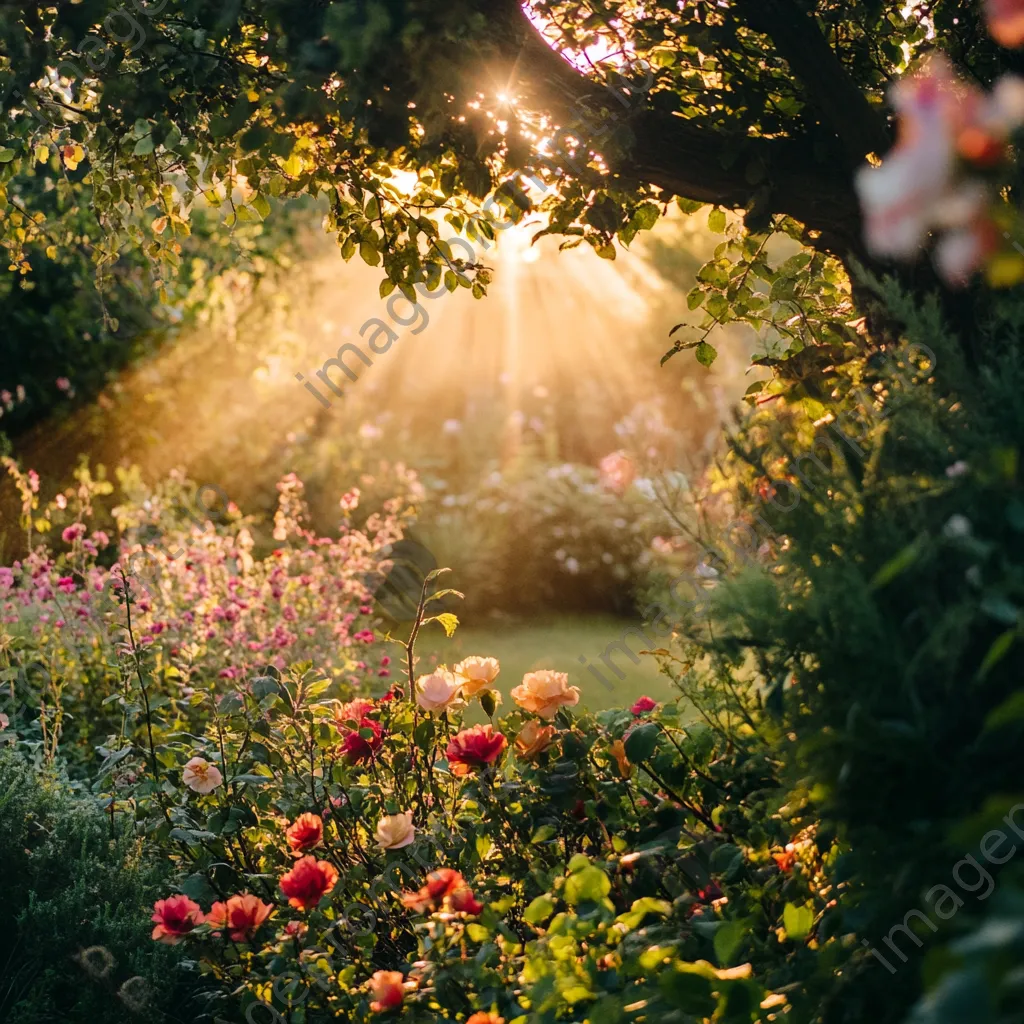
[
  {"x": 6, "y": 156},
  {"x": 589, "y": 885},
  {"x": 368, "y": 252},
  {"x": 898, "y": 564},
  {"x": 694, "y": 299},
  {"x": 997, "y": 652},
  {"x": 261, "y": 206},
  {"x": 544, "y": 834},
  {"x": 689, "y": 205},
  {"x": 144, "y": 146},
  {"x": 705, "y": 353},
  {"x": 423, "y": 736},
  {"x": 716, "y": 221},
  {"x": 539, "y": 910},
  {"x": 646, "y": 216},
  {"x": 728, "y": 940},
  {"x": 797, "y": 921},
  {"x": 1011, "y": 710},
  {"x": 640, "y": 743},
  {"x": 688, "y": 991}
]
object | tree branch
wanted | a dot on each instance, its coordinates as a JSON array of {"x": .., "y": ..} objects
[
  {"x": 847, "y": 112},
  {"x": 762, "y": 175}
]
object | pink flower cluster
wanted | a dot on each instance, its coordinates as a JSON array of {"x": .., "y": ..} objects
[
  {"x": 952, "y": 135},
  {"x": 217, "y": 609}
]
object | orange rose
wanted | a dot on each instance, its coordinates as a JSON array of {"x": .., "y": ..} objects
[
  {"x": 242, "y": 915},
  {"x": 485, "y": 1018},
  {"x": 175, "y": 917},
  {"x": 473, "y": 748},
  {"x": 534, "y": 739},
  {"x": 304, "y": 833},
  {"x": 786, "y": 859},
  {"x": 544, "y": 692},
  {"x": 307, "y": 882}
]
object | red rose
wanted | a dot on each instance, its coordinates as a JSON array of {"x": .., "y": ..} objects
[
  {"x": 463, "y": 901},
  {"x": 352, "y": 713},
  {"x": 643, "y": 705},
  {"x": 710, "y": 893},
  {"x": 175, "y": 917},
  {"x": 349, "y": 719},
  {"x": 241, "y": 914},
  {"x": 308, "y": 881},
  {"x": 356, "y": 748},
  {"x": 387, "y": 989},
  {"x": 474, "y": 748},
  {"x": 440, "y": 883},
  {"x": 304, "y": 833}
]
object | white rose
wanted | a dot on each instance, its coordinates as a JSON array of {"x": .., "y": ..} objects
[
  {"x": 395, "y": 831},
  {"x": 439, "y": 691}
]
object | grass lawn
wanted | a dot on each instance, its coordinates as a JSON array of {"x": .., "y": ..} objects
[{"x": 554, "y": 642}]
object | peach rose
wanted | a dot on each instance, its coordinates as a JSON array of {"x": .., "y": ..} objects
[
  {"x": 201, "y": 776},
  {"x": 477, "y": 674},
  {"x": 544, "y": 692},
  {"x": 241, "y": 916},
  {"x": 1005, "y": 20},
  {"x": 481, "y": 1017},
  {"x": 439, "y": 691},
  {"x": 395, "y": 831},
  {"x": 534, "y": 739}
]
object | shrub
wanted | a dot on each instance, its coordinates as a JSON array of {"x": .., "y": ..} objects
[{"x": 74, "y": 923}]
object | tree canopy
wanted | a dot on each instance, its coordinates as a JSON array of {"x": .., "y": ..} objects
[{"x": 144, "y": 109}]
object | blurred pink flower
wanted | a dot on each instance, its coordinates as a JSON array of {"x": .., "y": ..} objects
[
  {"x": 617, "y": 472},
  {"x": 920, "y": 187},
  {"x": 73, "y": 533}
]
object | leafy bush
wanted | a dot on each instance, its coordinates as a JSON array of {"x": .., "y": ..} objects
[
  {"x": 74, "y": 918},
  {"x": 886, "y": 640}
]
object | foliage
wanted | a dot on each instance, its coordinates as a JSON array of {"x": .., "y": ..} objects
[
  {"x": 169, "y": 105},
  {"x": 67, "y": 330},
  {"x": 74, "y": 922},
  {"x": 885, "y": 642}
]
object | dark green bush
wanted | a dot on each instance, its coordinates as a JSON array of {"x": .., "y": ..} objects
[
  {"x": 890, "y": 640},
  {"x": 74, "y": 939}
]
